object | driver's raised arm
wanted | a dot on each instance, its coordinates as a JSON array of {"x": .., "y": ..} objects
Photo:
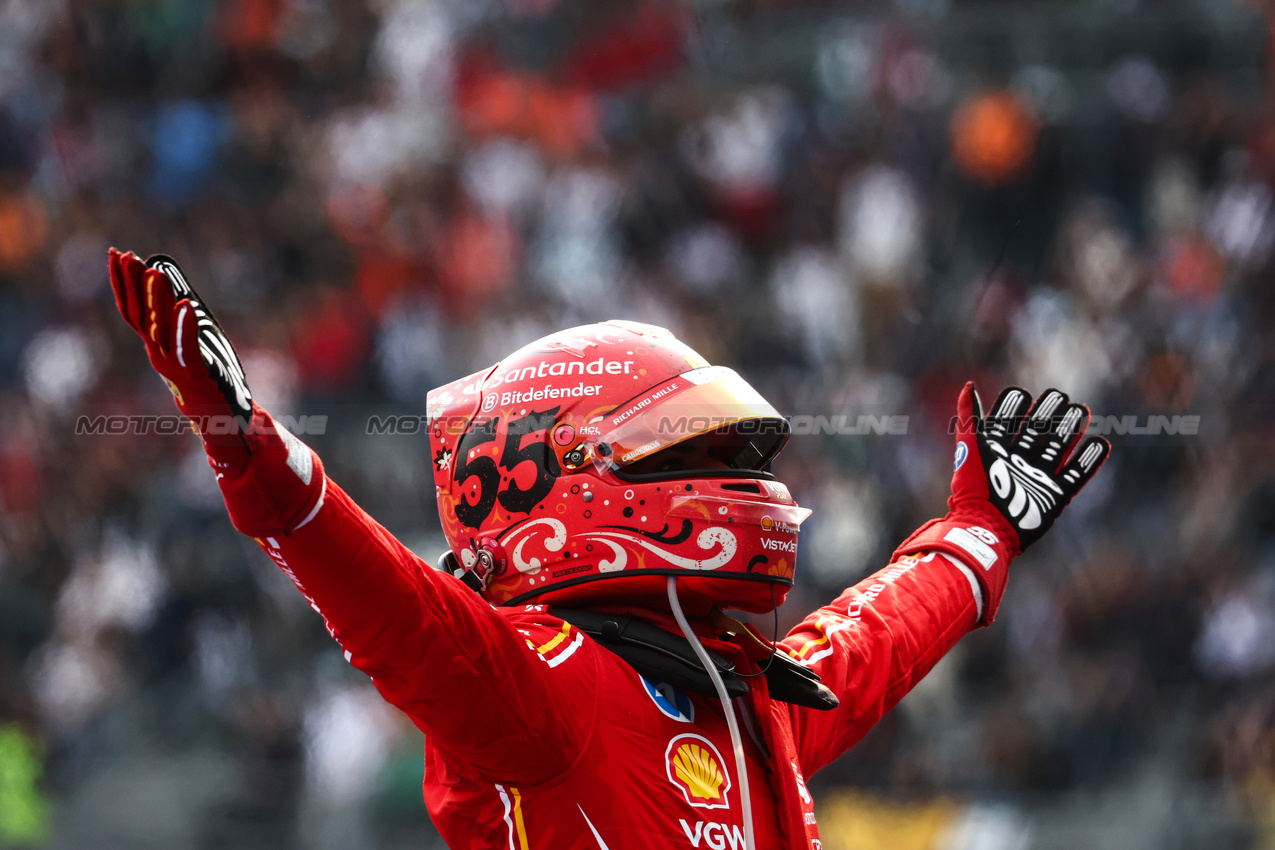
[{"x": 432, "y": 646}]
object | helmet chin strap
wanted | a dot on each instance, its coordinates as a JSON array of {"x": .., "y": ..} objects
[{"x": 741, "y": 766}]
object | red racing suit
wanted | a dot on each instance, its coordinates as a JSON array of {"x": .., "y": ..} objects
[{"x": 539, "y": 738}]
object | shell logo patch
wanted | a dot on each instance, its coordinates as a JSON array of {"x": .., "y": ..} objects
[{"x": 698, "y": 770}]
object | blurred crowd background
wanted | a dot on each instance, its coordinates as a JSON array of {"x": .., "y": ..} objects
[{"x": 857, "y": 205}]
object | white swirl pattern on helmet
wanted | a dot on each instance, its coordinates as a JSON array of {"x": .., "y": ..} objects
[
  {"x": 707, "y": 540},
  {"x": 553, "y": 542},
  {"x": 620, "y": 556}
]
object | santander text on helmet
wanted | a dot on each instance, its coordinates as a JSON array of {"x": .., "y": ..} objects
[{"x": 544, "y": 369}]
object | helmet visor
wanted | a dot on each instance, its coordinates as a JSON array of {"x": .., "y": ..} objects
[{"x": 708, "y": 418}]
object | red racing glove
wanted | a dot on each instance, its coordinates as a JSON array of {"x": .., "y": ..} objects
[
  {"x": 272, "y": 482},
  {"x": 1014, "y": 474}
]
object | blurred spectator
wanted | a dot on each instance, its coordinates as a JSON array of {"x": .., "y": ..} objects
[
  {"x": 1238, "y": 634},
  {"x": 24, "y": 812},
  {"x": 993, "y": 138}
]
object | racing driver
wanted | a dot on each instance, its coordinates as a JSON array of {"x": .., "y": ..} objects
[{"x": 606, "y": 496}]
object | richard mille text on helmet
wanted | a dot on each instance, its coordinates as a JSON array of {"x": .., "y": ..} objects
[{"x": 606, "y": 495}]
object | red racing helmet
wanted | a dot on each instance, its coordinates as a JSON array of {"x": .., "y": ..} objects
[{"x": 591, "y": 464}]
